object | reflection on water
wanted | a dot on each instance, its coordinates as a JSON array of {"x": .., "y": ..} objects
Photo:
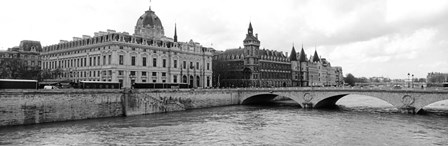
[{"x": 240, "y": 125}]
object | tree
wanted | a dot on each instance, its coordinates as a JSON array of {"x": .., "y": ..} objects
[
  {"x": 361, "y": 80},
  {"x": 13, "y": 68},
  {"x": 350, "y": 79},
  {"x": 422, "y": 80}
]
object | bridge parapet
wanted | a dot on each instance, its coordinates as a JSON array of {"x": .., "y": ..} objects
[{"x": 327, "y": 97}]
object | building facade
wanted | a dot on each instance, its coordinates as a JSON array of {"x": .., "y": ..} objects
[
  {"x": 25, "y": 55},
  {"x": 147, "y": 56},
  {"x": 437, "y": 79},
  {"x": 315, "y": 71},
  {"x": 250, "y": 66}
]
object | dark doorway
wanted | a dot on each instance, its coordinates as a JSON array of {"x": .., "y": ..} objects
[
  {"x": 191, "y": 81},
  {"x": 247, "y": 73}
]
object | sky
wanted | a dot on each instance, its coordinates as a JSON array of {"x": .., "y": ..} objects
[{"x": 367, "y": 38}]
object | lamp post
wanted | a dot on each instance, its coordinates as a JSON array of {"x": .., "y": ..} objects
[
  {"x": 219, "y": 84},
  {"x": 408, "y": 81},
  {"x": 412, "y": 81}
]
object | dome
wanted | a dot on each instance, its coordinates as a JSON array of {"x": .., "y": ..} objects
[{"x": 149, "y": 25}]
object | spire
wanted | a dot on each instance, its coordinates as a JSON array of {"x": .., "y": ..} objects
[
  {"x": 315, "y": 57},
  {"x": 302, "y": 57},
  {"x": 293, "y": 56},
  {"x": 250, "y": 30},
  {"x": 175, "y": 32},
  {"x": 150, "y": 5}
]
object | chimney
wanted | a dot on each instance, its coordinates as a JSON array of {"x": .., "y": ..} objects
[
  {"x": 111, "y": 31},
  {"x": 76, "y": 38},
  {"x": 85, "y": 36}
]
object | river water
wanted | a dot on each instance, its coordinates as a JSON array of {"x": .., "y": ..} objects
[{"x": 240, "y": 125}]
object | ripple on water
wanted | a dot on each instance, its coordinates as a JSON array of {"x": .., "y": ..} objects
[{"x": 240, "y": 125}]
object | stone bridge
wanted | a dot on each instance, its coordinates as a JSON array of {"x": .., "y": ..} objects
[
  {"x": 409, "y": 100},
  {"x": 19, "y": 107}
]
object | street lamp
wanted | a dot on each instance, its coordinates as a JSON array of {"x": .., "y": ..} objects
[
  {"x": 409, "y": 85},
  {"x": 412, "y": 81}
]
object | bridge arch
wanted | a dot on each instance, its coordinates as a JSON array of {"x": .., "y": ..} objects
[
  {"x": 329, "y": 100},
  {"x": 427, "y": 100},
  {"x": 266, "y": 97}
]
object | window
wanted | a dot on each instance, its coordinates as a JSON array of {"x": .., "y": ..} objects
[
  {"x": 154, "y": 51},
  {"x": 104, "y": 60},
  {"x": 110, "y": 59},
  {"x": 99, "y": 60},
  {"x": 191, "y": 64},
  {"x": 154, "y": 62},
  {"x": 132, "y": 73},
  {"x": 120, "y": 73},
  {"x": 163, "y": 74},
  {"x": 121, "y": 82},
  {"x": 144, "y": 73},
  {"x": 94, "y": 61},
  {"x": 175, "y": 63},
  {"x": 208, "y": 81},
  {"x": 144, "y": 81},
  {"x": 208, "y": 66},
  {"x": 175, "y": 78},
  {"x": 164, "y": 63},
  {"x": 121, "y": 59},
  {"x": 133, "y": 60},
  {"x": 185, "y": 65},
  {"x": 154, "y": 74},
  {"x": 90, "y": 61},
  {"x": 197, "y": 65},
  {"x": 144, "y": 61}
]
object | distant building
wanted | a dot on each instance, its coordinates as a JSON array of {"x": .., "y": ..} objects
[
  {"x": 148, "y": 56},
  {"x": 437, "y": 79},
  {"x": 250, "y": 66},
  {"x": 315, "y": 71},
  {"x": 28, "y": 52}
]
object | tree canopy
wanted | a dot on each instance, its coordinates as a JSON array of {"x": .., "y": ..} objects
[{"x": 350, "y": 79}]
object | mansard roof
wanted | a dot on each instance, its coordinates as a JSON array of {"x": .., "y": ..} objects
[
  {"x": 235, "y": 51},
  {"x": 272, "y": 53},
  {"x": 27, "y": 45}
]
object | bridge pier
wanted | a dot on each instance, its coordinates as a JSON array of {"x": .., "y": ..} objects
[
  {"x": 307, "y": 105},
  {"x": 407, "y": 110}
]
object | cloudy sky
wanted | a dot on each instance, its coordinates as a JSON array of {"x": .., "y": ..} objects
[{"x": 365, "y": 37}]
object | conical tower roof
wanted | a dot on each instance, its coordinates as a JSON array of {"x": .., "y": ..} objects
[
  {"x": 316, "y": 57},
  {"x": 302, "y": 57},
  {"x": 293, "y": 56}
]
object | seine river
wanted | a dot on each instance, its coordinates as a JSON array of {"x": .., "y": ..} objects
[{"x": 241, "y": 125}]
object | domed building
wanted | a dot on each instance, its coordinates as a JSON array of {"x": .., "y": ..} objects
[
  {"x": 149, "y": 25},
  {"x": 147, "y": 57}
]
